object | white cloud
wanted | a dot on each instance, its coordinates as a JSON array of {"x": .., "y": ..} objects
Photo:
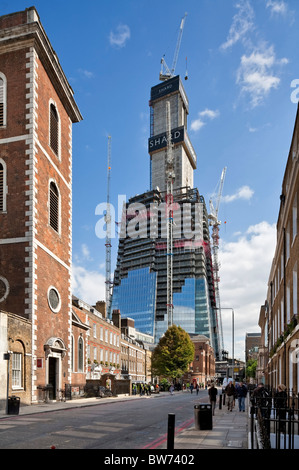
[
  {"x": 89, "y": 286},
  {"x": 244, "y": 272},
  {"x": 245, "y": 192},
  {"x": 121, "y": 36},
  {"x": 197, "y": 124},
  {"x": 241, "y": 25},
  {"x": 256, "y": 75},
  {"x": 278, "y": 7}
]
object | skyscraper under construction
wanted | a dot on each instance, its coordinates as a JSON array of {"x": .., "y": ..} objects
[{"x": 156, "y": 282}]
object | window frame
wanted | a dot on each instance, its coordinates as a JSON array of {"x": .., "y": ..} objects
[
  {"x": 57, "y": 152},
  {"x": 4, "y": 187},
  {"x": 3, "y": 77},
  {"x": 53, "y": 182}
]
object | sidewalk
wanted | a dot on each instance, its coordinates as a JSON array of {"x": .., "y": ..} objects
[
  {"x": 230, "y": 431},
  {"x": 64, "y": 405}
]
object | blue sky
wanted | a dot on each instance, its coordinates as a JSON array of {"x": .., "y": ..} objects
[{"x": 242, "y": 58}]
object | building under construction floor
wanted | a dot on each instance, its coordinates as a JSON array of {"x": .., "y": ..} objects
[{"x": 142, "y": 276}]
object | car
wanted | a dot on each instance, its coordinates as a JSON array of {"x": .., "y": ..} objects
[{"x": 104, "y": 392}]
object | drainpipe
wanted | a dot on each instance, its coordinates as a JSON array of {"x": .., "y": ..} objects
[{"x": 284, "y": 303}]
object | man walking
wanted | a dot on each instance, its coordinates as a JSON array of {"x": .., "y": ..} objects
[
  {"x": 241, "y": 394},
  {"x": 213, "y": 397},
  {"x": 230, "y": 393}
]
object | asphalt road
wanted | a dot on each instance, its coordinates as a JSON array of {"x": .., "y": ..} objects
[{"x": 136, "y": 424}]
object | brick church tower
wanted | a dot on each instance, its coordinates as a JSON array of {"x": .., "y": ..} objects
[{"x": 37, "y": 110}]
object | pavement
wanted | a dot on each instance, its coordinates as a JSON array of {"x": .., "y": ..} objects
[{"x": 230, "y": 430}]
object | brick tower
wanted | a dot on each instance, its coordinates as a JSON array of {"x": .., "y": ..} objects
[{"x": 37, "y": 110}]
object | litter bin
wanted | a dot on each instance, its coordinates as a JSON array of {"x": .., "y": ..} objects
[
  {"x": 13, "y": 405},
  {"x": 203, "y": 416}
]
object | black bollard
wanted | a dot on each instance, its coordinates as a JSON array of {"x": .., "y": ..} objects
[
  {"x": 220, "y": 401},
  {"x": 170, "y": 433}
]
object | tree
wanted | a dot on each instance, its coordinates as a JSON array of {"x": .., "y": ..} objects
[
  {"x": 173, "y": 354},
  {"x": 251, "y": 368}
]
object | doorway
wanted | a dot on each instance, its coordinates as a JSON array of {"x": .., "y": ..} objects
[{"x": 53, "y": 377}]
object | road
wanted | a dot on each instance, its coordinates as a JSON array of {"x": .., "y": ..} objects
[{"x": 135, "y": 424}]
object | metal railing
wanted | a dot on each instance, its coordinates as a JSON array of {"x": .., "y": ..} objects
[{"x": 274, "y": 420}]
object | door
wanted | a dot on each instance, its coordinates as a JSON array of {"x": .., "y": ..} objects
[{"x": 52, "y": 377}]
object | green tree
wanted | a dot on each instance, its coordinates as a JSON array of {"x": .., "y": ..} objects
[
  {"x": 173, "y": 354},
  {"x": 251, "y": 368}
]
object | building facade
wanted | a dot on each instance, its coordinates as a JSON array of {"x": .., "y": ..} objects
[
  {"x": 279, "y": 315},
  {"x": 36, "y": 117},
  {"x": 202, "y": 370},
  {"x": 141, "y": 279}
]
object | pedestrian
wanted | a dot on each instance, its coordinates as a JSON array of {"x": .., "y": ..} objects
[
  {"x": 213, "y": 397},
  {"x": 197, "y": 389},
  {"x": 191, "y": 388},
  {"x": 171, "y": 389},
  {"x": 280, "y": 401},
  {"x": 230, "y": 393},
  {"x": 262, "y": 399},
  {"x": 241, "y": 395}
]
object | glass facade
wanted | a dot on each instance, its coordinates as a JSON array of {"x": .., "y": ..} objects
[{"x": 135, "y": 297}]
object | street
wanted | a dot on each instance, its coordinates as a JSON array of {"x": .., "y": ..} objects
[{"x": 137, "y": 424}]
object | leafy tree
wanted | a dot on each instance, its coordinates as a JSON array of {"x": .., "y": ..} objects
[
  {"x": 251, "y": 368},
  {"x": 173, "y": 354}
]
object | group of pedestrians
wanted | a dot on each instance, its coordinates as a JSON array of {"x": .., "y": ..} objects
[{"x": 235, "y": 392}]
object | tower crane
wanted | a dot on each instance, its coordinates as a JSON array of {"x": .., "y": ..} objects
[
  {"x": 169, "y": 176},
  {"x": 108, "y": 233},
  {"x": 215, "y": 223},
  {"x": 165, "y": 73}
]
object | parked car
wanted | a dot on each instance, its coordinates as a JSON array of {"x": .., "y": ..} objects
[{"x": 105, "y": 392}]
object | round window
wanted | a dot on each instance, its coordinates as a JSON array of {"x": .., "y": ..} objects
[
  {"x": 54, "y": 299},
  {"x": 4, "y": 289}
]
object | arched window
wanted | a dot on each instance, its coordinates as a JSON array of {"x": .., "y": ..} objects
[
  {"x": 80, "y": 355},
  {"x": 54, "y": 207},
  {"x": 2, "y": 100},
  {"x": 2, "y": 186},
  {"x": 54, "y": 129}
]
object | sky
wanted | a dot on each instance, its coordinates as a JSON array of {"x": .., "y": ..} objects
[{"x": 241, "y": 57}]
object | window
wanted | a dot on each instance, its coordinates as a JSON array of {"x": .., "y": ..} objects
[
  {"x": 54, "y": 207},
  {"x": 16, "y": 370},
  {"x": 54, "y": 129},
  {"x": 295, "y": 300},
  {"x": 80, "y": 355},
  {"x": 295, "y": 217},
  {"x": 54, "y": 299},
  {"x": 94, "y": 330},
  {"x": 2, "y": 100},
  {"x": 2, "y": 186}
]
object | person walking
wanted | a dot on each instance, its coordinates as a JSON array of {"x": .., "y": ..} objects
[
  {"x": 241, "y": 395},
  {"x": 171, "y": 389},
  {"x": 213, "y": 397},
  {"x": 230, "y": 393},
  {"x": 280, "y": 401}
]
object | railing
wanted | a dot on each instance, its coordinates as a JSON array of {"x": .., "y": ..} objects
[{"x": 274, "y": 420}]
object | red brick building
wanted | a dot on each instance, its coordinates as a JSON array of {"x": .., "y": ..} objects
[{"x": 37, "y": 110}]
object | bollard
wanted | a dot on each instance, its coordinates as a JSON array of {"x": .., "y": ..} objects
[
  {"x": 220, "y": 401},
  {"x": 170, "y": 433},
  {"x": 223, "y": 399}
]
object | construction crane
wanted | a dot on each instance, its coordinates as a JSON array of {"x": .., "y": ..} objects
[
  {"x": 215, "y": 223},
  {"x": 108, "y": 233},
  {"x": 170, "y": 176},
  {"x": 165, "y": 73}
]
